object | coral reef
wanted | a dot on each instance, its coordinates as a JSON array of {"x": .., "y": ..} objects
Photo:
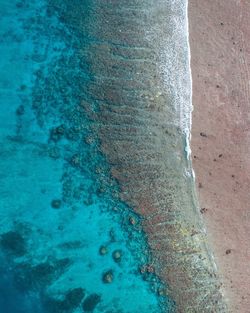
[
  {"x": 91, "y": 302},
  {"x": 13, "y": 242}
]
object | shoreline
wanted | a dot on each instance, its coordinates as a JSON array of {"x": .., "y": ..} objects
[
  {"x": 145, "y": 143},
  {"x": 220, "y": 49}
]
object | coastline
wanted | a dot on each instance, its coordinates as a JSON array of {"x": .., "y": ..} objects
[
  {"x": 220, "y": 48},
  {"x": 108, "y": 160},
  {"x": 145, "y": 143}
]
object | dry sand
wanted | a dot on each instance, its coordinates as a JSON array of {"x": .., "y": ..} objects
[{"x": 220, "y": 60}]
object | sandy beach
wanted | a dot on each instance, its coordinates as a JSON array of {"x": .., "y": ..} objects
[{"x": 220, "y": 61}]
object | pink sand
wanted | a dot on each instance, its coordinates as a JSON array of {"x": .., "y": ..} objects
[{"x": 220, "y": 51}]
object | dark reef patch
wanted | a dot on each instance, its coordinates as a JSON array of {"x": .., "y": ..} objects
[
  {"x": 57, "y": 133},
  {"x": 14, "y": 243},
  {"x": 56, "y": 203},
  {"x": 72, "y": 299},
  {"x": 117, "y": 256},
  {"x": 91, "y": 302},
  {"x": 28, "y": 277},
  {"x": 108, "y": 277}
]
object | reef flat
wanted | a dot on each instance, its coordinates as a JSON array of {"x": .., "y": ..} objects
[{"x": 143, "y": 92}]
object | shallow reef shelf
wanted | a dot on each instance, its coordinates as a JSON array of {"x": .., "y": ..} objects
[
  {"x": 142, "y": 88},
  {"x": 98, "y": 211}
]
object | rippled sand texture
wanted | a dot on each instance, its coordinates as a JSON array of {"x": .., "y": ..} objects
[{"x": 141, "y": 85}]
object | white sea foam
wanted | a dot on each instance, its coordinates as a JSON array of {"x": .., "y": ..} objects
[
  {"x": 189, "y": 104},
  {"x": 174, "y": 62}
]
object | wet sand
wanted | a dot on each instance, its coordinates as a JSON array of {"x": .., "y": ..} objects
[{"x": 220, "y": 61}]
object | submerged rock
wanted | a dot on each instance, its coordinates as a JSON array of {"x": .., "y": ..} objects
[
  {"x": 75, "y": 160},
  {"x": 28, "y": 277},
  {"x": 74, "y": 297},
  {"x": 132, "y": 220},
  {"x": 108, "y": 277},
  {"x": 117, "y": 255},
  {"x": 103, "y": 250},
  {"x": 91, "y": 302},
  {"x": 13, "y": 243},
  {"x": 20, "y": 110},
  {"x": 57, "y": 133},
  {"x": 54, "y": 153},
  {"x": 56, "y": 203},
  {"x": 53, "y": 305}
]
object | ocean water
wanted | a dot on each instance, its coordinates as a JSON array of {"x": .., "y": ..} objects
[{"x": 68, "y": 242}]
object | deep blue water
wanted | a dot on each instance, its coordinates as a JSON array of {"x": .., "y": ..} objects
[{"x": 67, "y": 241}]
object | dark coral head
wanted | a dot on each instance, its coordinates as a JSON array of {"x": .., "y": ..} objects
[
  {"x": 13, "y": 242},
  {"x": 74, "y": 297},
  {"x": 91, "y": 302}
]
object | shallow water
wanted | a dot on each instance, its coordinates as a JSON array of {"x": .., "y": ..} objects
[{"x": 68, "y": 244}]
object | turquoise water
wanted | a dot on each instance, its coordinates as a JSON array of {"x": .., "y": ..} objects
[{"x": 68, "y": 244}]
